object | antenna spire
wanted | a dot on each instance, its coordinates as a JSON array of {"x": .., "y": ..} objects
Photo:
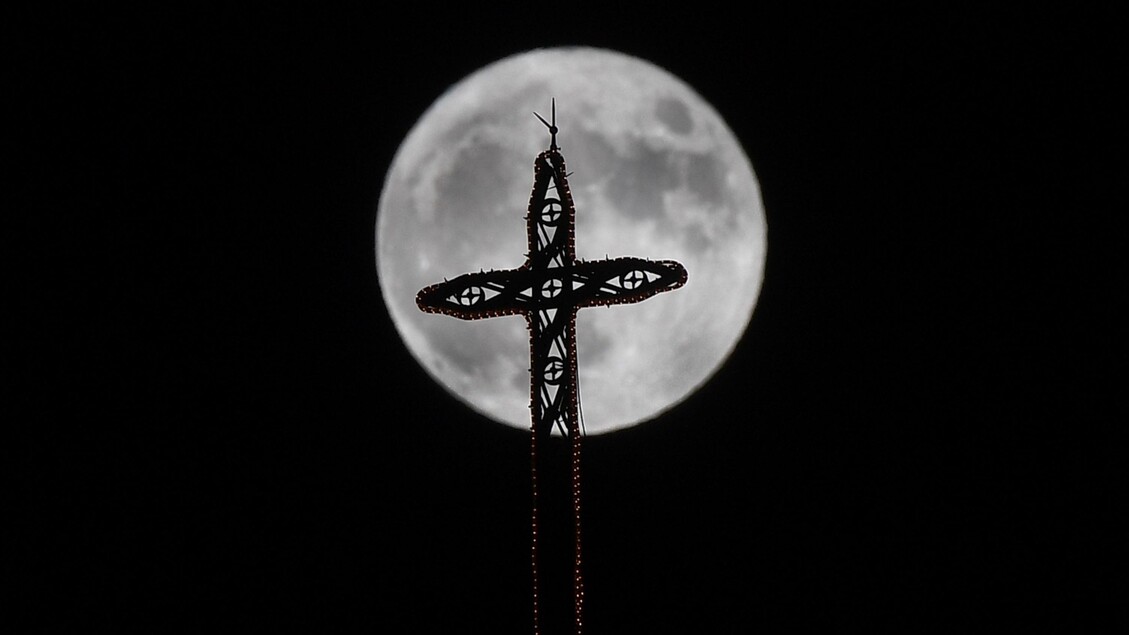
[{"x": 551, "y": 126}]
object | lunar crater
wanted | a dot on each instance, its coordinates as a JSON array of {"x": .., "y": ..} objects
[{"x": 674, "y": 115}]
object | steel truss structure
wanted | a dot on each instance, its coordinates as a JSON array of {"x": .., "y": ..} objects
[{"x": 548, "y": 290}]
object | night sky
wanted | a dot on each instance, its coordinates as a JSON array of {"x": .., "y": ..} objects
[{"x": 219, "y": 429}]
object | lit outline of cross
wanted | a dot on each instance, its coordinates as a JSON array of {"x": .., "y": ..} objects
[{"x": 548, "y": 290}]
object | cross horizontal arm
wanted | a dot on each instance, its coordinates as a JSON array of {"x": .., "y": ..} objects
[
  {"x": 623, "y": 280},
  {"x": 474, "y": 296}
]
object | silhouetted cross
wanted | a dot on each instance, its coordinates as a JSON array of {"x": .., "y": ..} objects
[{"x": 548, "y": 289}]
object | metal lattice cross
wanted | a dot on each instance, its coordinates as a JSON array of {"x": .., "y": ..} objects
[{"x": 548, "y": 290}]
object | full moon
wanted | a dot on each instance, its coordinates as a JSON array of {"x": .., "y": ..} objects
[{"x": 656, "y": 173}]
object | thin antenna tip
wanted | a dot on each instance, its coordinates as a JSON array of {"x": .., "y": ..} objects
[{"x": 553, "y": 130}]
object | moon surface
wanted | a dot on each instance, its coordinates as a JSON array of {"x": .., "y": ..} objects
[{"x": 656, "y": 173}]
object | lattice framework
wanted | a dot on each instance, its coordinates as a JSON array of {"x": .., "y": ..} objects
[{"x": 548, "y": 289}]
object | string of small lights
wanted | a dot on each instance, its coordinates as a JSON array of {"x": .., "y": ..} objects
[
  {"x": 574, "y": 432},
  {"x": 533, "y": 479}
]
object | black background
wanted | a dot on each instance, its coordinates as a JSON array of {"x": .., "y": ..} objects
[{"x": 220, "y": 430}]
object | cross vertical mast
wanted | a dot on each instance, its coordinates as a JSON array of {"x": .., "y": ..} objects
[{"x": 551, "y": 228}]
